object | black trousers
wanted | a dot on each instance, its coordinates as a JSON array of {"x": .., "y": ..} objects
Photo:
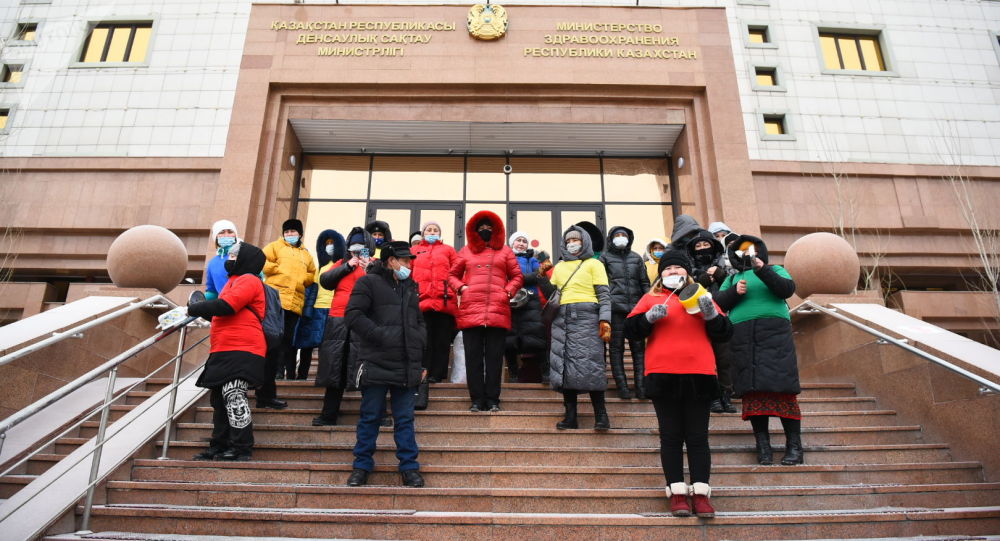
[
  {"x": 617, "y": 349},
  {"x": 484, "y": 363},
  {"x": 331, "y": 404},
  {"x": 684, "y": 422},
  {"x": 305, "y": 363},
  {"x": 232, "y": 426},
  {"x": 279, "y": 355},
  {"x": 440, "y": 334}
]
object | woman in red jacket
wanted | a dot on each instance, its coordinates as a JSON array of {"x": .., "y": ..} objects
[
  {"x": 236, "y": 360},
  {"x": 485, "y": 275},
  {"x": 680, "y": 378},
  {"x": 437, "y": 300}
]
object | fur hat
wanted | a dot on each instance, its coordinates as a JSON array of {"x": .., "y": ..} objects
[{"x": 292, "y": 223}]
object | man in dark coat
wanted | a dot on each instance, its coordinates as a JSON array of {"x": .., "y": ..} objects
[
  {"x": 628, "y": 283},
  {"x": 384, "y": 312}
]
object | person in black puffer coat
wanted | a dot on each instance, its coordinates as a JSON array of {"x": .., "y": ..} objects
[
  {"x": 384, "y": 311},
  {"x": 710, "y": 271},
  {"x": 527, "y": 334},
  {"x": 628, "y": 283}
]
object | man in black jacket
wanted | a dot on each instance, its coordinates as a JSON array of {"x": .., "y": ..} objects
[{"x": 384, "y": 312}]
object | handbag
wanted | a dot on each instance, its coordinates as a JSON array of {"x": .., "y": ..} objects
[
  {"x": 551, "y": 307},
  {"x": 422, "y": 395}
]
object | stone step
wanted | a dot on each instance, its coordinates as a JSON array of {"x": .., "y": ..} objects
[
  {"x": 445, "y": 526},
  {"x": 552, "y": 403},
  {"x": 449, "y": 476},
  {"x": 144, "y": 536},
  {"x": 10, "y": 484},
  {"x": 549, "y": 437},
  {"x": 541, "y": 419},
  {"x": 547, "y": 500},
  {"x": 566, "y": 455}
]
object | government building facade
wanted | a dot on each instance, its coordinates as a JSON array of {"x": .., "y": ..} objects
[{"x": 879, "y": 121}]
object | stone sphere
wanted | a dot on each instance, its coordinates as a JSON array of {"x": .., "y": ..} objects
[
  {"x": 147, "y": 256},
  {"x": 823, "y": 263}
]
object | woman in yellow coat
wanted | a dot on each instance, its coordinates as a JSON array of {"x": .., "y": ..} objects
[{"x": 289, "y": 269}]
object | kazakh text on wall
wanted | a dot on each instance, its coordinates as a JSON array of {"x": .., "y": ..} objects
[{"x": 363, "y": 38}]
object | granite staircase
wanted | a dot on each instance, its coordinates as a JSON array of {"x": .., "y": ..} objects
[{"x": 511, "y": 475}]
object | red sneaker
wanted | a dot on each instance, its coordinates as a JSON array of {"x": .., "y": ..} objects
[
  {"x": 679, "y": 505},
  {"x": 699, "y": 500}
]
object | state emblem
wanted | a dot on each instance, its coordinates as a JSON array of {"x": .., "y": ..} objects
[{"x": 487, "y": 22}]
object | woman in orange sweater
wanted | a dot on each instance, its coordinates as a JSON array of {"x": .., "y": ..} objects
[{"x": 680, "y": 378}]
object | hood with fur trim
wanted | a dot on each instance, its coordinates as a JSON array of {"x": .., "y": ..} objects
[
  {"x": 339, "y": 247},
  {"x": 475, "y": 242},
  {"x": 596, "y": 235},
  {"x": 585, "y": 253},
  {"x": 647, "y": 255}
]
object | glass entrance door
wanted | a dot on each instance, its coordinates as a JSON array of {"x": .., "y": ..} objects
[
  {"x": 545, "y": 223},
  {"x": 406, "y": 217}
]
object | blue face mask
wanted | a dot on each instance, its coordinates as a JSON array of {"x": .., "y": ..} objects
[
  {"x": 657, "y": 254},
  {"x": 292, "y": 239},
  {"x": 226, "y": 242},
  {"x": 431, "y": 239},
  {"x": 402, "y": 273},
  {"x": 378, "y": 242}
]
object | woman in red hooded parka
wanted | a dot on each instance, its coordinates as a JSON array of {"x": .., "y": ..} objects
[{"x": 485, "y": 275}]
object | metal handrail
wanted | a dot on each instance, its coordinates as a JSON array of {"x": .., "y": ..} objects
[
  {"x": 812, "y": 306},
  {"x": 60, "y": 336},
  {"x": 100, "y": 438}
]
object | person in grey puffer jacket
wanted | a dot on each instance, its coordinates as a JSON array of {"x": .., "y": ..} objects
[
  {"x": 628, "y": 282},
  {"x": 576, "y": 355}
]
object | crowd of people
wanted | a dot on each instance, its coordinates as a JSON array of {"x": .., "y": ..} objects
[{"x": 704, "y": 316}]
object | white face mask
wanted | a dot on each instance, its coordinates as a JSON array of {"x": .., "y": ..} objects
[
  {"x": 620, "y": 242},
  {"x": 674, "y": 281},
  {"x": 329, "y": 250},
  {"x": 574, "y": 247}
]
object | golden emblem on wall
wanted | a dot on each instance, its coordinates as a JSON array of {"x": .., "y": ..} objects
[{"x": 487, "y": 21}]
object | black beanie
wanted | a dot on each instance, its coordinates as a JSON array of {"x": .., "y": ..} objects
[
  {"x": 674, "y": 257},
  {"x": 292, "y": 224},
  {"x": 357, "y": 238}
]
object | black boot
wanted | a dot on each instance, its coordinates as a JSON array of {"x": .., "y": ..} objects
[
  {"x": 765, "y": 456},
  {"x": 716, "y": 406},
  {"x": 727, "y": 402},
  {"x": 601, "y": 421},
  {"x": 639, "y": 368},
  {"x": 513, "y": 370},
  {"x": 793, "y": 449},
  {"x": 569, "y": 421}
]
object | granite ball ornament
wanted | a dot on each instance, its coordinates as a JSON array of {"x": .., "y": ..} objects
[
  {"x": 147, "y": 256},
  {"x": 823, "y": 263}
]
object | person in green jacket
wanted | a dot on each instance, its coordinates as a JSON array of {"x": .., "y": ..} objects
[{"x": 764, "y": 367}]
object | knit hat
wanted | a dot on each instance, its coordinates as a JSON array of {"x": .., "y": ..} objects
[
  {"x": 219, "y": 226},
  {"x": 715, "y": 227},
  {"x": 424, "y": 227},
  {"x": 416, "y": 235},
  {"x": 573, "y": 234},
  {"x": 515, "y": 236},
  {"x": 292, "y": 224},
  {"x": 357, "y": 238},
  {"x": 674, "y": 257}
]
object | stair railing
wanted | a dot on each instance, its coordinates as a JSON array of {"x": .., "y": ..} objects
[
  {"x": 111, "y": 368},
  {"x": 810, "y": 307}
]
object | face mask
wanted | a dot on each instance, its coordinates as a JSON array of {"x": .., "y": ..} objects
[
  {"x": 657, "y": 254},
  {"x": 329, "y": 250},
  {"x": 674, "y": 281},
  {"x": 431, "y": 239},
  {"x": 620, "y": 242},
  {"x": 230, "y": 266},
  {"x": 485, "y": 234},
  {"x": 704, "y": 255},
  {"x": 292, "y": 239},
  {"x": 378, "y": 242},
  {"x": 402, "y": 272},
  {"x": 226, "y": 242},
  {"x": 574, "y": 247}
]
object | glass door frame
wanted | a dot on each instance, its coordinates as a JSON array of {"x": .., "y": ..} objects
[
  {"x": 556, "y": 209},
  {"x": 371, "y": 211}
]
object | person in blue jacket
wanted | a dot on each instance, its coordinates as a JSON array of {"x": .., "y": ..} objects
[{"x": 223, "y": 237}]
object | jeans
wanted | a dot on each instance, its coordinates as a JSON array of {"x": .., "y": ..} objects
[
  {"x": 372, "y": 410},
  {"x": 684, "y": 422},
  {"x": 484, "y": 363}
]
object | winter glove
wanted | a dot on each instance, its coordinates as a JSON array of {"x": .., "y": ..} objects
[
  {"x": 656, "y": 313},
  {"x": 707, "y": 307},
  {"x": 605, "y": 331}
]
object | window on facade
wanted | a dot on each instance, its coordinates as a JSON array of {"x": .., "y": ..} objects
[
  {"x": 117, "y": 42},
  {"x": 766, "y": 76},
  {"x": 758, "y": 34},
  {"x": 12, "y": 73},
  {"x": 851, "y": 52},
  {"x": 26, "y": 32},
  {"x": 4, "y": 116},
  {"x": 774, "y": 125}
]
